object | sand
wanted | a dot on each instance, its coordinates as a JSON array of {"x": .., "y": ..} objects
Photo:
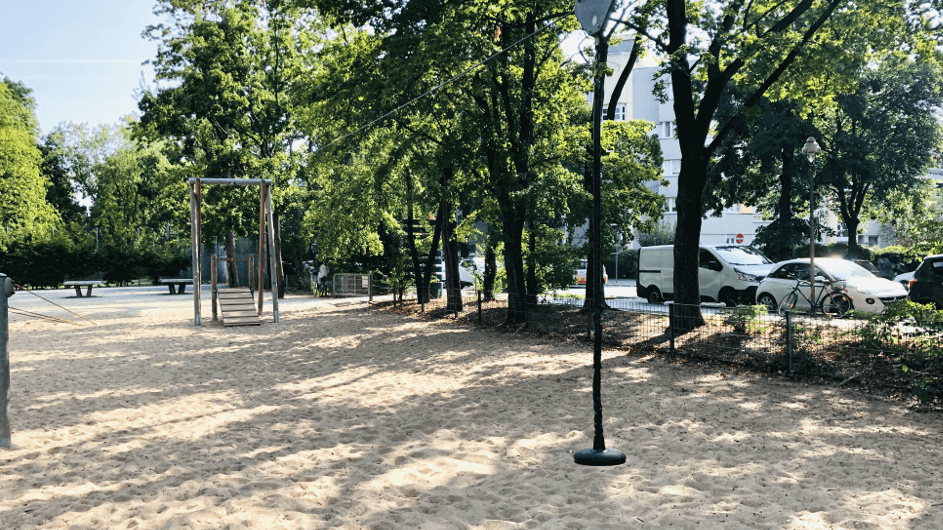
[{"x": 344, "y": 416}]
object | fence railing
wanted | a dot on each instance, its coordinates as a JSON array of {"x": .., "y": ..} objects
[{"x": 902, "y": 355}]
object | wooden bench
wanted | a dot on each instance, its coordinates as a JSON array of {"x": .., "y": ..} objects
[
  {"x": 180, "y": 284},
  {"x": 78, "y": 284}
]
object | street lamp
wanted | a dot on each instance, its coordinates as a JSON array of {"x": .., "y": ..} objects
[
  {"x": 592, "y": 16},
  {"x": 810, "y": 149}
]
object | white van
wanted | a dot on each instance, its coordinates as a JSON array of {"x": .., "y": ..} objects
[{"x": 728, "y": 274}]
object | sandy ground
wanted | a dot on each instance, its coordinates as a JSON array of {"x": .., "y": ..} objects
[{"x": 343, "y": 416}]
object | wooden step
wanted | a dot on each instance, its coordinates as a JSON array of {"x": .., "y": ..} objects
[{"x": 238, "y": 307}]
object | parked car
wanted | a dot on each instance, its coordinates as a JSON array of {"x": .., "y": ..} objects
[
  {"x": 867, "y": 291},
  {"x": 904, "y": 279},
  {"x": 467, "y": 270},
  {"x": 580, "y": 273},
  {"x": 927, "y": 284},
  {"x": 727, "y": 273},
  {"x": 873, "y": 269}
]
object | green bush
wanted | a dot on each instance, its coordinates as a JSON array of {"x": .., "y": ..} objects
[{"x": 748, "y": 319}]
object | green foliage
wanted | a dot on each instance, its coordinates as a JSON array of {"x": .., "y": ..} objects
[
  {"x": 909, "y": 333},
  {"x": 662, "y": 234},
  {"x": 24, "y": 211},
  {"x": 554, "y": 261},
  {"x": 915, "y": 216},
  {"x": 748, "y": 319},
  {"x": 913, "y": 254},
  {"x": 880, "y": 136}
]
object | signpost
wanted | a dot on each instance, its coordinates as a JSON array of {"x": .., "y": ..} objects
[{"x": 593, "y": 15}]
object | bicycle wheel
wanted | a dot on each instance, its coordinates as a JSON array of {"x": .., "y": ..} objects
[
  {"x": 788, "y": 303},
  {"x": 836, "y": 305}
]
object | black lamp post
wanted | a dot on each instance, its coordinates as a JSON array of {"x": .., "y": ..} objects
[
  {"x": 810, "y": 149},
  {"x": 592, "y": 15}
]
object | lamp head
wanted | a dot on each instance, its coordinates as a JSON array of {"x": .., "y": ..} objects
[{"x": 811, "y": 148}]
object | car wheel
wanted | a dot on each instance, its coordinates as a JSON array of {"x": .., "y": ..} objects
[
  {"x": 729, "y": 298},
  {"x": 768, "y": 300},
  {"x": 654, "y": 296}
]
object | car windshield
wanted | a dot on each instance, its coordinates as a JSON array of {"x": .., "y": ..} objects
[
  {"x": 844, "y": 270},
  {"x": 742, "y": 256}
]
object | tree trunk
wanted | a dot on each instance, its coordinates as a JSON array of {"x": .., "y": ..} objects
[
  {"x": 513, "y": 221},
  {"x": 232, "y": 274},
  {"x": 687, "y": 294},
  {"x": 453, "y": 285},
  {"x": 854, "y": 250},
  {"x": 532, "y": 267},
  {"x": 423, "y": 281}
]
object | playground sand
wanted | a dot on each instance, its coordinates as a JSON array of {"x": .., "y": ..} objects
[{"x": 342, "y": 416}]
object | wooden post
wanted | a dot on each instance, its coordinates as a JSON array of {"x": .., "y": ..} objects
[
  {"x": 196, "y": 255},
  {"x": 261, "y": 284},
  {"x": 213, "y": 283},
  {"x": 271, "y": 237},
  {"x": 251, "y": 272}
]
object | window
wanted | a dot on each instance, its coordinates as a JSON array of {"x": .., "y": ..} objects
[
  {"x": 666, "y": 129},
  {"x": 870, "y": 241},
  {"x": 620, "y": 112},
  {"x": 705, "y": 257},
  {"x": 841, "y": 230},
  {"x": 670, "y": 204},
  {"x": 732, "y": 209},
  {"x": 731, "y": 240},
  {"x": 672, "y": 167}
]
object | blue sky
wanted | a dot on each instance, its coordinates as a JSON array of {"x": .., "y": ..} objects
[{"x": 82, "y": 59}]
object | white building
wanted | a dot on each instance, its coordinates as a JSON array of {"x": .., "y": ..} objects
[{"x": 736, "y": 225}]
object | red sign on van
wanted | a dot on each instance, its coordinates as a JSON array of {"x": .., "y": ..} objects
[{"x": 739, "y": 238}]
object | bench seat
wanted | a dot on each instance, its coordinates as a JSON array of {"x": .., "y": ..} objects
[
  {"x": 179, "y": 283},
  {"x": 78, "y": 284}
]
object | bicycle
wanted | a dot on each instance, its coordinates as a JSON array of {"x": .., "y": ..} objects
[{"x": 829, "y": 302}]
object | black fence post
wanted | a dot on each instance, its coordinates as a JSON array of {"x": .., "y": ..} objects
[
  {"x": 789, "y": 345},
  {"x": 671, "y": 328},
  {"x": 479, "y": 305}
]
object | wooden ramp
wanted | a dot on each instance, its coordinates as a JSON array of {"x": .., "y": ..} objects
[{"x": 237, "y": 306}]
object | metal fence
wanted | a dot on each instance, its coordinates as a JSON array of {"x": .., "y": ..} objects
[
  {"x": 352, "y": 285},
  {"x": 900, "y": 356}
]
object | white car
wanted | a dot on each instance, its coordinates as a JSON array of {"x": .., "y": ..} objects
[
  {"x": 580, "y": 276},
  {"x": 905, "y": 279},
  {"x": 467, "y": 269},
  {"x": 866, "y": 291}
]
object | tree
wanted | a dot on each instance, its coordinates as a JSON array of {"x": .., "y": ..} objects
[
  {"x": 770, "y": 47},
  {"x": 759, "y": 163},
  {"x": 881, "y": 137},
  {"x": 231, "y": 67},
  {"x": 24, "y": 211},
  {"x": 510, "y": 109},
  {"x": 61, "y": 191},
  {"x": 915, "y": 216}
]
